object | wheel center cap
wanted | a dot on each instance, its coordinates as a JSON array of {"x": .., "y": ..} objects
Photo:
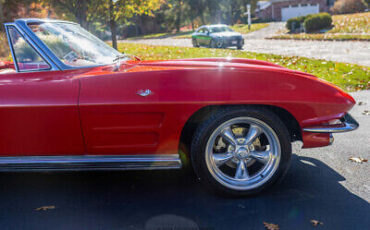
[{"x": 242, "y": 153}]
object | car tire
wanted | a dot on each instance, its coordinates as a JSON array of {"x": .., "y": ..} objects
[
  {"x": 195, "y": 43},
  {"x": 239, "y": 47},
  {"x": 243, "y": 168},
  {"x": 220, "y": 44}
]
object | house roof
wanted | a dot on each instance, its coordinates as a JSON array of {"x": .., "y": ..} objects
[{"x": 261, "y": 5}]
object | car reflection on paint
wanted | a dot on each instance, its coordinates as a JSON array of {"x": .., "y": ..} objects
[{"x": 217, "y": 36}]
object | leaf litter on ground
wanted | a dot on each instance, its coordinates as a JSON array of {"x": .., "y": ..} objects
[
  {"x": 44, "y": 208},
  {"x": 316, "y": 222},
  {"x": 358, "y": 159},
  {"x": 270, "y": 226}
]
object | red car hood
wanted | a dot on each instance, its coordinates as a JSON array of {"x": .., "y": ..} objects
[
  {"x": 196, "y": 64},
  {"x": 207, "y": 63}
]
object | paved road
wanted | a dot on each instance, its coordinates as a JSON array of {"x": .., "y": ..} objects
[
  {"x": 322, "y": 184},
  {"x": 342, "y": 51}
]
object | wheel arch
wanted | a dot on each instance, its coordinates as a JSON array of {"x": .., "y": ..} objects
[{"x": 205, "y": 112}]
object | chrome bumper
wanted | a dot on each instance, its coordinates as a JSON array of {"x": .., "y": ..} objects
[{"x": 348, "y": 124}]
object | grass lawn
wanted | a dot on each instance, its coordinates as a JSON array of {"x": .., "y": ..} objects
[
  {"x": 241, "y": 28},
  {"x": 345, "y": 27},
  {"x": 325, "y": 37},
  {"x": 350, "y": 77},
  {"x": 163, "y": 35},
  {"x": 351, "y": 23}
]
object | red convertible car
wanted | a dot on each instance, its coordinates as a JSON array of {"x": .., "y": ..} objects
[{"x": 71, "y": 102}]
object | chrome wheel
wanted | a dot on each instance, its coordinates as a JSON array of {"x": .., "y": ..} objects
[
  {"x": 219, "y": 43},
  {"x": 243, "y": 153}
]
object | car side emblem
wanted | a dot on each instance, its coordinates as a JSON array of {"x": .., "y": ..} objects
[{"x": 144, "y": 92}]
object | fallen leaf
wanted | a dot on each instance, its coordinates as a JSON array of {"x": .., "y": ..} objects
[
  {"x": 366, "y": 112},
  {"x": 358, "y": 159},
  {"x": 316, "y": 222},
  {"x": 270, "y": 226},
  {"x": 44, "y": 208}
]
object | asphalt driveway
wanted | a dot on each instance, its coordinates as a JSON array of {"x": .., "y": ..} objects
[
  {"x": 342, "y": 51},
  {"x": 322, "y": 184}
]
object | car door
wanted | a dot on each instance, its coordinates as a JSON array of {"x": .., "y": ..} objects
[
  {"x": 197, "y": 36},
  {"x": 203, "y": 37},
  {"x": 38, "y": 105},
  {"x": 206, "y": 37},
  {"x": 120, "y": 115}
]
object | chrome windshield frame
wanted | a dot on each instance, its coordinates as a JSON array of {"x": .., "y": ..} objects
[
  {"x": 33, "y": 44},
  {"x": 56, "y": 64}
]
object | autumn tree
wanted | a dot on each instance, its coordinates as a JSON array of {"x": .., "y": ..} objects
[
  {"x": 122, "y": 10},
  {"x": 12, "y": 9},
  {"x": 81, "y": 11},
  {"x": 195, "y": 10}
]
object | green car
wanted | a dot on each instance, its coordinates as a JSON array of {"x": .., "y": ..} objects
[{"x": 217, "y": 36}]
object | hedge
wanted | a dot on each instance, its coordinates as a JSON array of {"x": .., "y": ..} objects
[
  {"x": 316, "y": 22},
  {"x": 311, "y": 22},
  {"x": 295, "y": 23}
]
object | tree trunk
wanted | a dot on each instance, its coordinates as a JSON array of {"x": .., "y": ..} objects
[
  {"x": 81, "y": 13},
  {"x": 231, "y": 14},
  {"x": 202, "y": 18},
  {"x": 141, "y": 29},
  {"x": 137, "y": 26},
  {"x": 113, "y": 28},
  {"x": 192, "y": 18},
  {"x": 2, "y": 19},
  {"x": 178, "y": 18},
  {"x": 112, "y": 24}
]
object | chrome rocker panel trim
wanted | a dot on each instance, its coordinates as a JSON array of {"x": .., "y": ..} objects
[
  {"x": 89, "y": 163},
  {"x": 348, "y": 124}
]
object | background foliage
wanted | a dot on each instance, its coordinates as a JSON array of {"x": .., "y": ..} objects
[
  {"x": 114, "y": 19},
  {"x": 349, "y": 6},
  {"x": 348, "y": 76}
]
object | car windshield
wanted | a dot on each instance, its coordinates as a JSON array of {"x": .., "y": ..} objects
[
  {"x": 73, "y": 45},
  {"x": 220, "y": 29}
]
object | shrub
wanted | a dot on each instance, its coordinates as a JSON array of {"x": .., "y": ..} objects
[
  {"x": 295, "y": 23},
  {"x": 349, "y": 6},
  {"x": 317, "y": 22}
]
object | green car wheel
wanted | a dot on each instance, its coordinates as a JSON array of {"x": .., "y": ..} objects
[{"x": 219, "y": 43}]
